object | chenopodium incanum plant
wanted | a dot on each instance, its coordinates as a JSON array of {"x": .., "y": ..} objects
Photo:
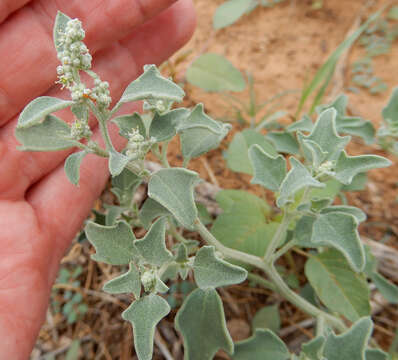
[
  {"x": 338, "y": 263},
  {"x": 388, "y": 133}
]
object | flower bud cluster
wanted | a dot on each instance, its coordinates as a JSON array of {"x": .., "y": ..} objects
[
  {"x": 137, "y": 146},
  {"x": 80, "y": 130},
  {"x": 326, "y": 168},
  {"x": 149, "y": 280},
  {"x": 161, "y": 106},
  {"x": 74, "y": 54},
  {"x": 100, "y": 93}
]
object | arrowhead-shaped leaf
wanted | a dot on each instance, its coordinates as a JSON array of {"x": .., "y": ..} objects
[
  {"x": 117, "y": 162},
  {"x": 269, "y": 171},
  {"x": 126, "y": 123},
  {"x": 352, "y": 344},
  {"x": 284, "y": 142},
  {"x": 263, "y": 345},
  {"x": 386, "y": 288},
  {"x": 339, "y": 230},
  {"x": 325, "y": 135},
  {"x": 313, "y": 349},
  {"x": 164, "y": 127},
  {"x": 338, "y": 287},
  {"x": 296, "y": 179},
  {"x": 50, "y": 135},
  {"x": 152, "y": 85},
  {"x": 173, "y": 189},
  {"x": 376, "y": 354},
  {"x": 152, "y": 246},
  {"x": 267, "y": 318},
  {"x": 390, "y": 111},
  {"x": 358, "y": 214},
  {"x": 237, "y": 154},
  {"x": 114, "y": 244},
  {"x": 349, "y": 166},
  {"x": 128, "y": 282},
  {"x": 230, "y": 11},
  {"x": 304, "y": 124},
  {"x": 212, "y": 272},
  {"x": 199, "y": 133},
  {"x": 145, "y": 314},
  {"x": 35, "y": 112},
  {"x": 201, "y": 322},
  {"x": 150, "y": 211},
  {"x": 72, "y": 166}
]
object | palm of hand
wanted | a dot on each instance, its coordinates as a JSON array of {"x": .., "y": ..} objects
[{"x": 40, "y": 211}]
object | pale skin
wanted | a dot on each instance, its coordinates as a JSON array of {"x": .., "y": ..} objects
[{"x": 40, "y": 211}]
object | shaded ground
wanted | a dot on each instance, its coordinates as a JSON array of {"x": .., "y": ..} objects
[{"x": 282, "y": 47}]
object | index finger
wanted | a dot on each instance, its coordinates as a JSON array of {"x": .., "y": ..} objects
[{"x": 9, "y": 6}]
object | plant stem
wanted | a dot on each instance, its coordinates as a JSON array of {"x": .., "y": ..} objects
[
  {"x": 277, "y": 238},
  {"x": 320, "y": 325},
  {"x": 261, "y": 281},
  {"x": 175, "y": 233},
  {"x": 163, "y": 157},
  {"x": 102, "y": 125},
  {"x": 285, "y": 248}
]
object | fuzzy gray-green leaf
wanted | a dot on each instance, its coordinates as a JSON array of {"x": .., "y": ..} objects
[
  {"x": 212, "y": 272},
  {"x": 173, "y": 189},
  {"x": 201, "y": 322},
  {"x": 237, "y": 154},
  {"x": 164, "y": 127},
  {"x": 284, "y": 142},
  {"x": 128, "y": 282},
  {"x": 388, "y": 289},
  {"x": 152, "y": 85},
  {"x": 358, "y": 214},
  {"x": 152, "y": 246},
  {"x": 350, "y": 345},
  {"x": 339, "y": 230},
  {"x": 313, "y": 349},
  {"x": 338, "y": 287},
  {"x": 230, "y": 11},
  {"x": 59, "y": 26},
  {"x": 35, "y": 112},
  {"x": 150, "y": 211},
  {"x": 349, "y": 166},
  {"x": 145, "y": 314},
  {"x": 212, "y": 72},
  {"x": 296, "y": 179},
  {"x": 263, "y": 345},
  {"x": 376, "y": 354},
  {"x": 267, "y": 318},
  {"x": 117, "y": 162},
  {"x": 50, "y": 135},
  {"x": 269, "y": 171},
  {"x": 114, "y": 244},
  {"x": 72, "y": 166},
  {"x": 199, "y": 133},
  {"x": 126, "y": 124}
]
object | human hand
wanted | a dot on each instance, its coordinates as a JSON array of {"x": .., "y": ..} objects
[{"x": 40, "y": 211}]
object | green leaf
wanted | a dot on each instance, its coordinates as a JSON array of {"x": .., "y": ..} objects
[
  {"x": 358, "y": 214},
  {"x": 340, "y": 230},
  {"x": 199, "y": 133},
  {"x": 269, "y": 171},
  {"x": 386, "y": 288},
  {"x": 128, "y": 282},
  {"x": 50, "y": 135},
  {"x": 227, "y": 198},
  {"x": 72, "y": 166},
  {"x": 201, "y": 322},
  {"x": 317, "y": 154},
  {"x": 284, "y": 142},
  {"x": 350, "y": 345},
  {"x": 126, "y": 180},
  {"x": 211, "y": 271},
  {"x": 313, "y": 349},
  {"x": 303, "y": 231},
  {"x": 173, "y": 189},
  {"x": 203, "y": 213},
  {"x": 349, "y": 166},
  {"x": 338, "y": 287},
  {"x": 325, "y": 135},
  {"x": 150, "y": 211},
  {"x": 126, "y": 123},
  {"x": 114, "y": 244},
  {"x": 264, "y": 344},
  {"x": 237, "y": 154},
  {"x": 81, "y": 111},
  {"x": 212, "y": 72},
  {"x": 376, "y": 354},
  {"x": 363, "y": 129},
  {"x": 117, "y": 162},
  {"x": 35, "y": 112},
  {"x": 390, "y": 111},
  {"x": 164, "y": 127},
  {"x": 358, "y": 183},
  {"x": 59, "y": 27},
  {"x": 296, "y": 179},
  {"x": 73, "y": 350},
  {"x": 304, "y": 124},
  {"x": 145, "y": 314},
  {"x": 152, "y": 85},
  {"x": 152, "y": 246},
  {"x": 267, "y": 318},
  {"x": 244, "y": 225},
  {"x": 230, "y": 11},
  {"x": 113, "y": 212}
]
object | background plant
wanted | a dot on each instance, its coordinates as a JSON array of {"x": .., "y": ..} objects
[{"x": 303, "y": 218}]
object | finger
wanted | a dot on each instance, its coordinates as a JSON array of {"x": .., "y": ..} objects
[
  {"x": 9, "y": 6},
  {"x": 28, "y": 69},
  {"x": 152, "y": 43},
  {"x": 54, "y": 196}
]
